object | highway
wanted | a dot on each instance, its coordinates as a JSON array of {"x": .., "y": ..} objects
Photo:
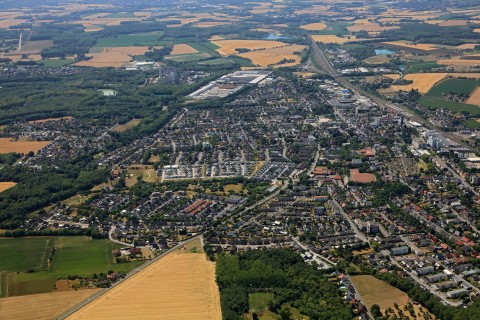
[{"x": 83, "y": 303}]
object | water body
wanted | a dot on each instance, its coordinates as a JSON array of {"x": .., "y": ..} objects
[{"x": 380, "y": 52}]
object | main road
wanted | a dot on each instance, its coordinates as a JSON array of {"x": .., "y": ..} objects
[{"x": 325, "y": 64}]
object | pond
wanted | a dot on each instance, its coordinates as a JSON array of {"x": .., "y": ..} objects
[{"x": 379, "y": 52}]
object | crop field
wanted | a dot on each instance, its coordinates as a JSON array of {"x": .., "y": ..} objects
[
  {"x": 416, "y": 67},
  {"x": 334, "y": 39},
  {"x": 7, "y": 23},
  {"x": 112, "y": 57},
  {"x": 228, "y": 47},
  {"x": 379, "y": 59},
  {"x": 423, "y": 82},
  {"x": 474, "y": 97},
  {"x": 35, "y": 47},
  {"x": 274, "y": 56},
  {"x": 73, "y": 256},
  {"x": 8, "y": 145},
  {"x": 368, "y": 26},
  {"x": 182, "y": 49},
  {"x": 465, "y": 61},
  {"x": 127, "y": 40},
  {"x": 210, "y": 24},
  {"x": 435, "y": 97},
  {"x": 178, "y": 286},
  {"x": 129, "y": 125},
  {"x": 314, "y": 26},
  {"x": 7, "y": 185},
  {"x": 45, "y": 306},
  {"x": 417, "y": 46},
  {"x": 56, "y": 62}
]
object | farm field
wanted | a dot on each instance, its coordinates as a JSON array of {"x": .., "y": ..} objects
[
  {"x": 274, "y": 56},
  {"x": 129, "y": 125},
  {"x": 6, "y": 185},
  {"x": 405, "y": 44},
  {"x": 333, "y": 39},
  {"x": 80, "y": 256},
  {"x": 474, "y": 97},
  {"x": 182, "y": 49},
  {"x": 50, "y": 119},
  {"x": 423, "y": 82},
  {"x": 314, "y": 26},
  {"x": 178, "y": 286},
  {"x": 228, "y": 47},
  {"x": 127, "y": 40},
  {"x": 35, "y": 47},
  {"x": 7, "y": 145},
  {"x": 112, "y": 57},
  {"x": 45, "y": 306},
  {"x": 465, "y": 61}
]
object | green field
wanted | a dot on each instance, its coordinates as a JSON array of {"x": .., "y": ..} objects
[
  {"x": 227, "y": 61},
  {"x": 206, "y": 50},
  {"x": 334, "y": 28},
  {"x": 416, "y": 67},
  {"x": 127, "y": 40},
  {"x": 435, "y": 97},
  {"x": 80, "y": 256},
  {"x": 56, "y": 62},
  {"x": 258, "y": 302}
]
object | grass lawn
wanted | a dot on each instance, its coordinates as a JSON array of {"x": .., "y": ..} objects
[
  {"x": 80, "y": 256},
  {"x": 472, "y": 123},
  {"x": 259, "y": 301},
  {"x": 134, "y": 39},
  {"x": 374, "y": 291}
]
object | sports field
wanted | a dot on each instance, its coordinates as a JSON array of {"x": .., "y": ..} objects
[
  {"x": 80, "y": 256},
  {"x": 179, "y": 286},
  {"x": 7, "y": 145}
]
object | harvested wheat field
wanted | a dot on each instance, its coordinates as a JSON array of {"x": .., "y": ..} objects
[
  {"x": 6, "y": 185},
  {"x": 333, "y": 39},
  {"x": 393, "y": 76},
  {"x": 418, "y": 46},
  {"x": 182, "y": 49},
  {"x": 473, "y": 99},
  {"x": 273, "y": 56},
  {"x": 453, "y": 23},
  {"x": 124, "y": 127},
  {"x": 228, "y": 47},
  {"x": 112, "y": 57},
  {"x": 208, "y": 24},
  {"x": 7, "y": 145},
  {"x": 51, "y": 119},
  {"x": 45, "y": 306},
  {"x": 466, "y": 46},
  {"x": 176, "y": 287},
  {"x": 5, "y": 24},
  {"x": 465, "y": 62},
  {"x": 423, "y": 82},
  {"x": 314, "y": 26}
]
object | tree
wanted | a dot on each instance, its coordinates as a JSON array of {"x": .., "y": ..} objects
[
  {"x": 285, "y": 314},
  {"x": 375, "y": 310}
]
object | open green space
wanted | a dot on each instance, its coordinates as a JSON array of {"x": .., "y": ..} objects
[
  {"x": 415, "y": 67},
  {"x": 135, "y": 39},
  {"x": 25, "y": 267},
  {"x": 120, "y": 15},
  {"x": 227, "y": 62},
  {"x": 334, "y": 28},
  {"x": 259, "y": 301},
  {"x": 436, "y": 98},
  {"x": 56, "y": 62}
]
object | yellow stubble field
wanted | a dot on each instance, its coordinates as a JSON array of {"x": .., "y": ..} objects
[
  {"x": 418, "y": 46},
  {"x": 423, "y": 82},
  {"x": 272, "y": 56},
  {"x": 45, "y": 306},
  {"x": 6, "y": 185},
  {"x": 180, "y": 286},
  {"x": 112, "y": 57},
  {"x": 182, "y": 49},
  {"x": 228, "y": 47},
  {"x": 474, "y": 97},
  {"x": 314, "y": 26},
  {"x": 332, "y": 39},
  {"x": 7, "y": 145}
]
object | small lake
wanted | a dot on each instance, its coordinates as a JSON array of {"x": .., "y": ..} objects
[
  {"x": 380, "y": 52},
  {"x": 108, "y": 92}
]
